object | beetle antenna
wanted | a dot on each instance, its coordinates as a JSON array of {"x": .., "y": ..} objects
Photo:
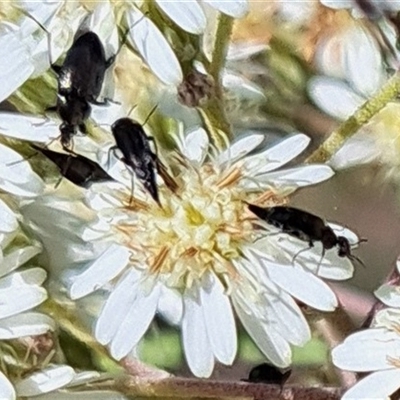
[{"x": 30, "y": 16}]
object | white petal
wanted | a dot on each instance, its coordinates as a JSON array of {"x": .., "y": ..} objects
[
  {"x": 136, "y": 322},
  {"x": 25, "y": 324},
  {"x": 153, "y": 47},
  {"x": 102, "y": 22},
  {"x": 296, "y": 12},
  {"x": 62, "y": 27},
  {"x": 195, "y": 145},
  {"x": 19, "y": 257},
  {"x": 196, "y": 344},
  {"x": 233, "y": 8},
  {"x": 28, "y": 277},
  {"x": 26, "y": 127},
  {"x": 244, "y": 50},
  {"x": 389, "y": 295},
  {"x": 303, "y": 285},
  {"x": 387, "y": 318},
  {"x": 276, "y": 156},
  {"x": 220, "y": 323},
  {"x": 170, "y": 305},
  {"x": 8, "y": 220},
  {"x": 330, "y": 266},
  {"x": 295, "y": 177},
  {"x": 45, "y": 381},
  {"x": 42, "y": 11},
  {"x": 329, "y": 56},
  {"x": 334, "y": 97},
  {"x": 100, "y": 271},
  {"x": 6, "y": 388},
  {"x": 116, "y": 307},
  {"x": 359, "y": 149},
  {"x": 82, "y": 377},
  {"x": 243, "y": 89},
  {"x": 286, "y": 319},
  {"x": 186, "y": 14},
  {"x": 345, "y": 232},
  {"x": 14, "y": 300},
  {"x": 274, "y": 346},
  {"x": 367, "y": 351},
  {"x": 363, "y": 61},
  {"x": 338, "y": 4},
  {"x": 15, "y": 63},
  {"x": 239, "y": 149},
  {"x": 379, "y": 385},
  {"x": 19, "y": 177}
]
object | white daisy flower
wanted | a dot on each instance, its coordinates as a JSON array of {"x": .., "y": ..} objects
[
  {"x": 198, "y": 258},
  {"x": 375, "y": 350}
]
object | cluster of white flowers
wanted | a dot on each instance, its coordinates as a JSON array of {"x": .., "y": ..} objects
[
  {"x": 21, "y": 292},
  {"x": 354, "y": 66},
  {"x": 200, "y": 258}
]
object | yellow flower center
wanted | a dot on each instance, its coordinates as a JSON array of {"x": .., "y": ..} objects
[{"x": 201, "y": 227}]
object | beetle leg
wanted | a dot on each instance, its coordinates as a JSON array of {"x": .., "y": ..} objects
[
  {"x": 56, "y": 68},
  {"x": 82, "y": 128},
  {"x": 111, "y": 60},
  {"x": 104, "y": 102},
  {"x": 51, "y": 109}
]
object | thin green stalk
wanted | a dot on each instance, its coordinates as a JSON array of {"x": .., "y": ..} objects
[
  {"x": 222, "y": 38},
  {"x": 213, "y": 112},
  {"x": 361, "y": 117}
]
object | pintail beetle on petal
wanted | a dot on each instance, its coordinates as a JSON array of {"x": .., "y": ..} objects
[
  {"x": 80, "y": 80},
  {"x": 304, "y": 226},
  {"x": 134, "y": 144},
  {"x": 76, "y": 168}
]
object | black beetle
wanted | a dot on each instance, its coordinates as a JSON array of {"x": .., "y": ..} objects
[
  {"x": 80, "y": 79},
  {"x": 133, "y": 142},
  {"x": 304, "y": 226},
  {"x": 78, "y": 169},
  {"x": 267, "y": 373}
]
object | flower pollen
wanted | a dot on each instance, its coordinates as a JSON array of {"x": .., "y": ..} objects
[{"x": 200, "y": 228}]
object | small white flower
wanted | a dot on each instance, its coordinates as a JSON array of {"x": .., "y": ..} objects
[
  {"x": 354, "y": 72},
  {"x": 20, "y": 291},
  {"x": 197, "y": 259},
  {"x": 375, "y": 350},
  {"x": 355, "y": 69}
]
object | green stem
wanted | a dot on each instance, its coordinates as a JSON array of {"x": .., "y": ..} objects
[
  {"x": 222, "y": 38},
  {"x": 68, "y": 320},
  {"x": 213, "y": 112},
  {"x": 362, "y": 116}
]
